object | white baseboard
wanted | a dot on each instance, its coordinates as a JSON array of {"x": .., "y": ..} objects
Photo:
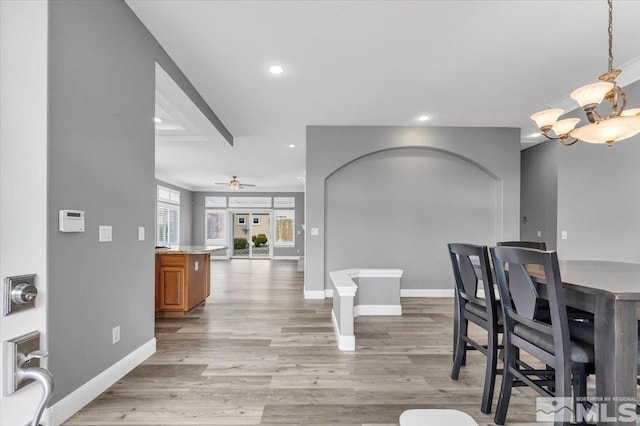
[
  {"x": 345, "y": 343},
  {"x": 314, "y": 294},
  {"x": 72, "y": 403},
  {"x": 328, "y": 292},
  {"x": 426, "y": 292},
  {"x": 285, "y": 257},
  {"x": 359, "y": 310}
]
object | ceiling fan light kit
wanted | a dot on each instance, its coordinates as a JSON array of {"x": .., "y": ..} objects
[
  {"x": 234, "y": 184},
  {"x": 618, "y": 125}
]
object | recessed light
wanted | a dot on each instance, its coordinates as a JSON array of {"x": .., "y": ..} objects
[
  {"x": 157, "y": 119},
  {"x": 423, "y": 118},
  {"x": 292, "y": 145},
  {"x": 275, "y": 69},
  {"x": 535, "y": 135}
]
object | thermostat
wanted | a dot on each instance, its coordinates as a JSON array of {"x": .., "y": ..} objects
[{"x": 71, "y": 221}]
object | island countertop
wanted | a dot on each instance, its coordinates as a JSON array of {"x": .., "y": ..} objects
[{"x": 190, "y": 249}]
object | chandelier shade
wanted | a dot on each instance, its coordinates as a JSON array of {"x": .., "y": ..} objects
[
  {"x": 591, "y": 93},
  {"x": 617, "y": 125},
  {"x": 547, "y": 118},
  {"x": 608, "y": 131},
  {"x": 563, "y": 127}
]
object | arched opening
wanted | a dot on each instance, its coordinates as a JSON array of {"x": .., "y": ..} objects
[{"x": 399, "y": 208}]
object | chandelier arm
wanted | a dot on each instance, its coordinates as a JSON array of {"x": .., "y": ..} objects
[
  {"x": 592, "y": 115},
  {"x": 616, "y": 109},
  {"x": 565, "y": 142},
  {"x": 546, "y": 135}
]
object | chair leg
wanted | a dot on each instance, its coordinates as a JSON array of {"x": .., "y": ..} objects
[
  {"x": 505, "y": 396},
  {"x": 507, "y": 383},
  {"x": 460, "y": 348},
  {"x": 490, "y": 372},
  {"x": 579, "y": 385}
]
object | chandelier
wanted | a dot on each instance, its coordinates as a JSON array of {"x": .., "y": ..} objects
[{"x": 618, "y": 125}]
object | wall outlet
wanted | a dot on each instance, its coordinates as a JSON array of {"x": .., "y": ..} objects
[
  {"x": 115, "y": 334},
  {"x": 539, "y": 234},
  {"x": 563, "y": 235},
  {"x": 105, "y": 233},
  {"x": 140, "y": 233},
  {"x": 315, "y": 231}
]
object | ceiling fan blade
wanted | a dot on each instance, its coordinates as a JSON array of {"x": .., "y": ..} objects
[
  {"x": 221, "y": 183},
  {"x": 246, "y": 184}
]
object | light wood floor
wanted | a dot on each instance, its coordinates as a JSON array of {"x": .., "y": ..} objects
[{"x": 258, "y": 353}]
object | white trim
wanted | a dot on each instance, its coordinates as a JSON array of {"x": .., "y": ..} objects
[
  {"x": 394, "y": 310},
  {"x": 328, "y": 292},
  {"x": 345, "y": 343},
  {"x": 284, "y": 202},
  {"x": 378, "y": 273},
  {"x": 72, "y": 403},
  {"x": 285, "y": 257},
  {"x": 343, "y": 282},
  {"x": 426, "y": 292},
  {"x": 314, "y": 294}
]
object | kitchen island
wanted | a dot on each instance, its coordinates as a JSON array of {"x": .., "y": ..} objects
[{"x": 183, "y": 276}]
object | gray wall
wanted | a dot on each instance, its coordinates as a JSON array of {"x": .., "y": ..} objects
[
  {"x": 495, "y": 152},
  {"x": 400, "y": 208},
  {"x": 599, "y": 200},
  {"x": 199, "y": 223},
  {"x": 539, "y": 193},
  {"x": 186, "y": 213},
  {"x": 101, "y": 160}
]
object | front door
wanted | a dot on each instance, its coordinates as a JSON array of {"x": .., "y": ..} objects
[{"x": 23, "y": 182}]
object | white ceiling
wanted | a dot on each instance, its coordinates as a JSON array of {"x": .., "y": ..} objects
[{"x": 466, "y": 63}]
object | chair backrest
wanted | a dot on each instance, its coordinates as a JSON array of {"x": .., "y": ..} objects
[
  {"x": 471, "y": 264},
  {"x": 523, "y": 275},
  {"x": 539, "y": 245}
]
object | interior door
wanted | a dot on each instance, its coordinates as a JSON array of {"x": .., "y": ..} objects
[{"x": 23, "y": 183}]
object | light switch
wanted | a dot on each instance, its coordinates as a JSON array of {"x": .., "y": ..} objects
[
  {"x": 196, "y": 265},
  {"x": 141, "y": 233},
  {"x": 105, "y": 233},
  {"x": 315, "y": 231},
  {"x": 539, "y": 234},
  {"x": 563, "y": 235}
]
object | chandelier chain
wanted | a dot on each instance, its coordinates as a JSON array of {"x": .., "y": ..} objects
[{"x": 610, "y": 35}]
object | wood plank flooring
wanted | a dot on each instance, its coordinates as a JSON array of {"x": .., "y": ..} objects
[{"x": 258, "y": 353}]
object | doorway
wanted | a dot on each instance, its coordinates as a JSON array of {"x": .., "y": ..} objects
[{"x": 251, "y": 234}]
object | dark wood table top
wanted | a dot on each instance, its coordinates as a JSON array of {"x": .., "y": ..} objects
[{"x": 617, "y": 280}]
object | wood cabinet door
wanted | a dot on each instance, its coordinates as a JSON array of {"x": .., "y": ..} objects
[{"x": 172, "y": 288}]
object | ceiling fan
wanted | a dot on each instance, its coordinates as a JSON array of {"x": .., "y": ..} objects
[{"x": 235, "y": 184}]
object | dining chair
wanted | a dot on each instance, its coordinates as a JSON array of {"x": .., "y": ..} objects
[
  {"x": 543, "y": 308},
  {"x": 564, "y": 346},
  {"x": 540, "y": 245},
  {"x": 484, "y": 312}
]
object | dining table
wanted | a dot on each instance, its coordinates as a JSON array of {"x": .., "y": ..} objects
[{"x": 611, "y": 291}]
